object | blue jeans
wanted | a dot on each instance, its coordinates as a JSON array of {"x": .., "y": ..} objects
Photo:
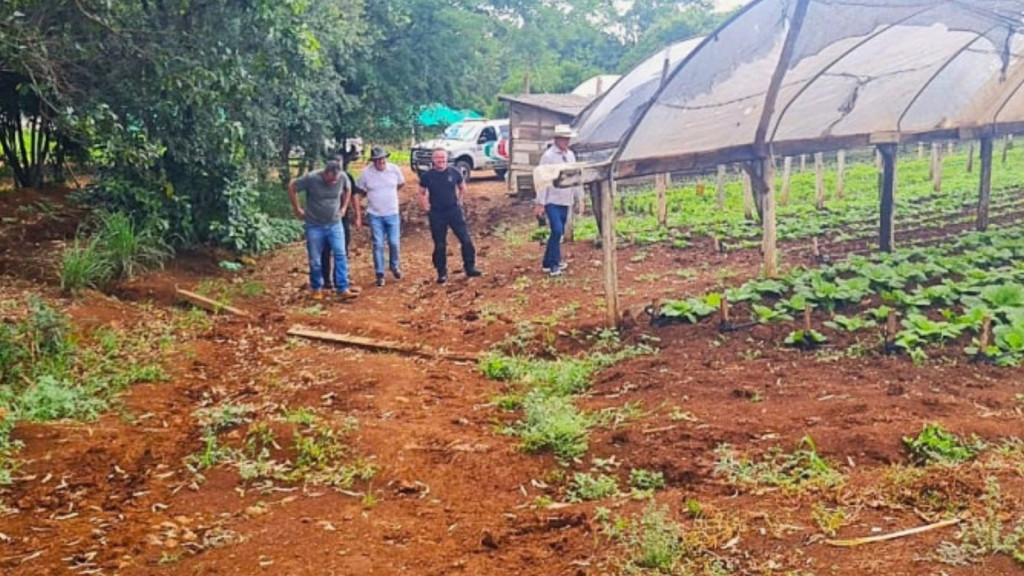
[
  {"x": 333, "y": 235},
  {"x": 385, "y": 228},
  {"x": 557, "y": 217}
]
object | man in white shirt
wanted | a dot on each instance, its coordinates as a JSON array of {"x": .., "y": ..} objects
[
  {"x": 381, "y": 181},
  {"x": 556, "y": 202}
]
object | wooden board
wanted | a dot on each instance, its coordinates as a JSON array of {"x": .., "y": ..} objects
[
  {"x": 381, "y": 345},
  {"x": 208, "y": 304}
]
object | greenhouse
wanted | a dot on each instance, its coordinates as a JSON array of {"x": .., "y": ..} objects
[{"x": 780, "y": 78}]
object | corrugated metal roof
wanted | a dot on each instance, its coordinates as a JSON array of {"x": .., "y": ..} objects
[{"x": 570, "y": 104}]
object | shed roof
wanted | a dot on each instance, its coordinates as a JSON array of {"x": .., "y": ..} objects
[
  {"x": 794, "y": 76},
  {"x": 568, "y": 104}
]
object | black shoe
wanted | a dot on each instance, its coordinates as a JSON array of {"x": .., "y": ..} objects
[
  {"x": 442, "y": 277},
  {"x": 473, "y": 273},
  {"x": 396, "y": 273},
  {"x": 380, "y": 279}
]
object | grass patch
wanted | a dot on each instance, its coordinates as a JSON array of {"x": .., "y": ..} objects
[
  {"x": 130, "y": 248},
  {"x": 803, "y": 469},
  {"x": 317, "y": 454},
  {"x": 84, "y": 265},
  {"x": 585, "y": 487},
  {"x": 553, "y": 423},
  {"x": 47, "y": 374}
]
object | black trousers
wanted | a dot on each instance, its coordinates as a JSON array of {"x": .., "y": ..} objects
[
  {"x": 440, "y": 222},
  {"x": 326, "y": 257}
]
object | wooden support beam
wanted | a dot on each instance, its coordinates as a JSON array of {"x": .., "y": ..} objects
[
  {"x": 661, "y": 187},
  {"x": 1007, "y": 144},
  {"x": 720, "y": 187},
  {"x": 748, "y": 196},
  {"x": 787, "y": 174},
  {"x": 803, "y": 162},
  {"x": 611, "y": 269},
  {"x": 208, "y": 304},
  {"x": 887, "y": 222},
  {"x": 920, "y": 150},
  {"x": 569, "y": 234},
  {"x": 970, "y": 158},
  {"x": 840, "y": 172},
  {"x": 819, "y": 181},
  {"x": 985, "y": 187},
  {"x": 936, "y": 167},
  {"x": 418, "y": 349},
  {"x": 762, "y": 177}
]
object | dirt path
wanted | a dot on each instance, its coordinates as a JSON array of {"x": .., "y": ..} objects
[{"x": 452, "y": 495}]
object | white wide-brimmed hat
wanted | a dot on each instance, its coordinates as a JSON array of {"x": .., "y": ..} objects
[{"x": 564, "y": 131}]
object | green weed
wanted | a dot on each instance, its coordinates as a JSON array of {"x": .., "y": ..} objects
[
  {"x": 803, "y": 469},
  {"x": 130, "y": 248},
  {"x": 83, "y": 265},
  {"x": 585, "y": 487},
  {"x": 935, "y": 444}
]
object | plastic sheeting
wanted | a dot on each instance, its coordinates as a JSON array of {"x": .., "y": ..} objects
[
  {"x": 605, "y": 122},
  {"x": 852, "y": 72}
]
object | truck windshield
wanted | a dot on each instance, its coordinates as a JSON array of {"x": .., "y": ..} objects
[{"x": 460, "y": 132}]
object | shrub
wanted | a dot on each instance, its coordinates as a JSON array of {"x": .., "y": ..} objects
[
  {"x": 83, "y": 265},
  {"x": 130, "y": 248}
]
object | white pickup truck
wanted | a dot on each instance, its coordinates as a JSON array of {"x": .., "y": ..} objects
[{"x": 471, "y": 145}]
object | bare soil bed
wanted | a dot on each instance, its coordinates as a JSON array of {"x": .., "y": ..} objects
[{"x": 453, "y": 495}]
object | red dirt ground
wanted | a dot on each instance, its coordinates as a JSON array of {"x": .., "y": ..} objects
[{"x": 454, "y": 496}]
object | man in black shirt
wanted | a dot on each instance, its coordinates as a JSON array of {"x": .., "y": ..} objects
[{"x": 442, "y": 192}]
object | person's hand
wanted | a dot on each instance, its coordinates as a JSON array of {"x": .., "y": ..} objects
[
  {"x": 426, "y": 205},
  {"x": 538, "y": 210},
  {"x": 300, "y": 214}
]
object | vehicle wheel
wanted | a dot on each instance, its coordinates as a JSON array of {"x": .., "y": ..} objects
[
  {"x": 501, "y": 172},
  {"x": 465, "y": 168}
]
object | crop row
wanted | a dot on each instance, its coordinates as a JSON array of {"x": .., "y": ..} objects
[{"x": 940, "y": 292}]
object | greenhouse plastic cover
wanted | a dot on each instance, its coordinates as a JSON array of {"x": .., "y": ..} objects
[
  {"x": 852, "y": 72},
  {"x": 605, "y": 122}
]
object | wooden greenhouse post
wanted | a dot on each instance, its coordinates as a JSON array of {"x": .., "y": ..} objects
[
  {"x": 611, "y": 269},
  {"x": 985, "y": 188},
  {"x": 840, "y": 172},
  {"x": 787, "y": 174},
  {"x": 970, "y": 158},
  {"x": 720, "y": 187},
  {"x": 660, "y": 187},
  {"x": 937, "y": 167},
  {"x": 761, "y": 174},
  {"x": 748, "y": 196},
  {"x": 803, "y": 162},
  {"x": 819, "y": 180},
  {"x": 920, "y": 150},
  {"x": 888, "y": 183}
]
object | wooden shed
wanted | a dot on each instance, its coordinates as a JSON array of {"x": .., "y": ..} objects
[{"x": 532, "y": 121}]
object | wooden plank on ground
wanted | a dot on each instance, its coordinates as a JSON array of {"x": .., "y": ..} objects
[
  {"x": 381, "y": 345},
  {"x": 208, "y": 304}
]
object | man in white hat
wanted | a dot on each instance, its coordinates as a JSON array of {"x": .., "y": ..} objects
[
  {"x": 381, "y": 181},
  {"x": 556, "y": 202}
]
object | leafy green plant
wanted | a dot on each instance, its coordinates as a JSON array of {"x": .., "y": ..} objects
[
  {"x": 83, "y": 265},
  {"x": 553, "y": 423},
  {"x": 805, "y": 339},
  {"x": 641, "y": 479},
  {"x": 128, "y": 247},
  {"x": 766, "y": 315},
  {"x": 692, "y": 310},
  {"x": 849, "y": 323},
  {"x": 586, "y": 487},
  {"x": 655, "y": 542},
  {"x": 935, "y": 444}
]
